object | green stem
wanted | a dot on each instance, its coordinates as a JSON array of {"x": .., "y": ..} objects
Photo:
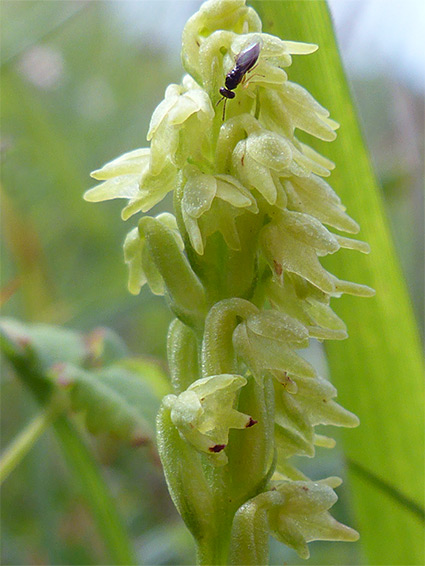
[
  {"x": 22, "y": 444},
  {"x": 214, "y": 549}
]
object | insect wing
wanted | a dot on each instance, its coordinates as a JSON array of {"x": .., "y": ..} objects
[{"x": 248, "y": 57}]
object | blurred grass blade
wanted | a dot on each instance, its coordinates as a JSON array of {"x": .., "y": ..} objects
[
  {"x": 8, "y": 290},
  {"x": 383, "y": 486},
  {"x": 378, "y": 370},
  {"x": 95, "y": 490},
  {"x": 22, "y": 444}
]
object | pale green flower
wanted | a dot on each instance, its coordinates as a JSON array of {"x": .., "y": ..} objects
[
  {"x": 185, "y": 107},
  {"x": 301, "y": 408},
  {"x": 230, "y": 15},
  {"x": 306, "y": 113},
  {"x": 204, "y": 413},
  {"x": 303, "y": 515},
  {"x": 259, "y": 160},
  {"x": 308, "y": 304},
  {"x": 129, "y": 177},
  {"x": 145, "y": 176},
  {"x": 305, "y": 238},
  {"x": 211, "y": 203},
  {"x": 273, "y": 356},
  {"x": 312, "y": 195},
  {"x": 122, "y": 177}
]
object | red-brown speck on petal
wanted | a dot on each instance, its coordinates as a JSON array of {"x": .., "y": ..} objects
[
  {"x": 251, "y": 422},
  {"x": 305, "y": 488},
  {"x": 243, "y": 159},
  {"x": 217, "y": 448},
  {"x": 140, "y": 441},
  {"x": 277, "y": 267}
]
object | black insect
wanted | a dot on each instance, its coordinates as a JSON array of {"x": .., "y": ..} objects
[{"x": 245, "y": 61}]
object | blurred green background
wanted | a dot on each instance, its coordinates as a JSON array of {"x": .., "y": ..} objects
[{"x": 79, "y": 82}]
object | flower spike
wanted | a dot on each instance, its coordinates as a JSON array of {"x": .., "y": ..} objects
[{"x": 239, "y": 263}]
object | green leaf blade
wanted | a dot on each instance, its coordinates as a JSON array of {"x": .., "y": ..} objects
[
  {"x": 112, "y": 400},
  {"x": 379, "y": 369}
]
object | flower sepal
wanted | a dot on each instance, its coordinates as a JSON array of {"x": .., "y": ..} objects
[{"x": 266, "y": 355}]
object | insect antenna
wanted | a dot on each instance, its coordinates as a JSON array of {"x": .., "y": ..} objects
[{"x": 224, "y": 105}]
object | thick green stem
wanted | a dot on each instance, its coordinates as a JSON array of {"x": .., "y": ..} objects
[
  {"x": 251, "y": 451},
  {"x": 214, "y": 549}
]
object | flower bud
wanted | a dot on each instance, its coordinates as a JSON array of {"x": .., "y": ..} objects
[
  {"x": 139, "y": 261},
  {"x": 185, "y": 292}
]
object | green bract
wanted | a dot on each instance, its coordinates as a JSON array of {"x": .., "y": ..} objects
[{"x": 239, "y": 263}]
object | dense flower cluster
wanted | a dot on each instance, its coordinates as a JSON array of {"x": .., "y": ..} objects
[{"x": 239, "y": 264}]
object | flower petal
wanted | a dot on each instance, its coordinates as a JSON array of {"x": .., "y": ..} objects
[
  {"x": 131, "y": 163},
  {"x": 198, "y": 194},
  {"x": 124, "y": 186}
]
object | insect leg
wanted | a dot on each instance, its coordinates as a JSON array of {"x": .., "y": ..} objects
[{"x": 246, "y": 82}]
